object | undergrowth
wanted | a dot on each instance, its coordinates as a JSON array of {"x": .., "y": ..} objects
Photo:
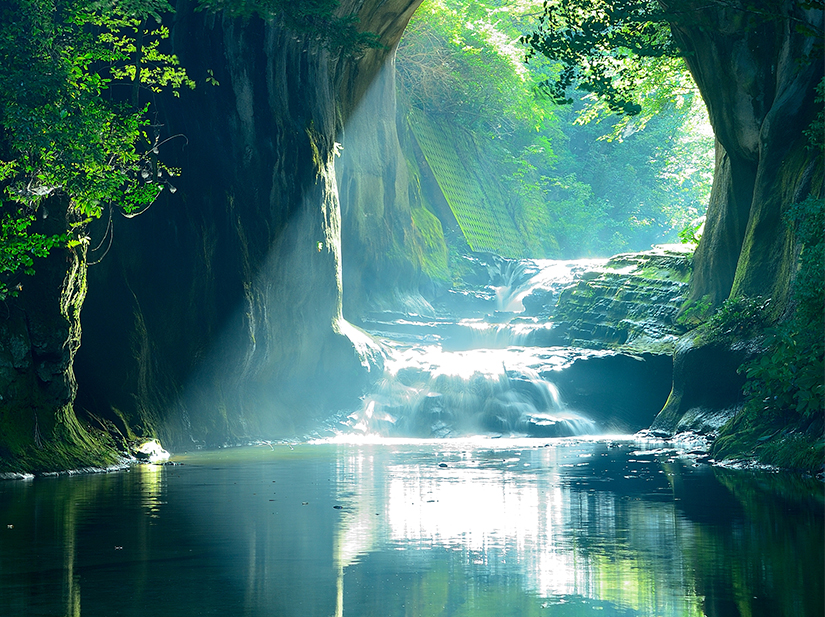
[{"x": 781, "y": 422}]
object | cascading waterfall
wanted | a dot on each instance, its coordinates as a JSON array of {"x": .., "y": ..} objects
[{"x": 489, "y": 372}]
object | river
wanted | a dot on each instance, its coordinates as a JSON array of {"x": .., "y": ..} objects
[
  {"x": 469, "y": 527},
  {"x": 465, "y": 485}
]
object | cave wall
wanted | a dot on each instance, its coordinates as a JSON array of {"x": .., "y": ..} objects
[
  {"x": 377, "y": 236},
  {"x": 39, "y": 337},
  {"x": 756, "y": 68},
  {"x": 216, "y": 316},
  {"x": 392, "y": 244}
]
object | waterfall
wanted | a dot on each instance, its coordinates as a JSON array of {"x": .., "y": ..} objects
[
  {"x": 485, "y": 364},
  {"x": 428, "y": 392}
]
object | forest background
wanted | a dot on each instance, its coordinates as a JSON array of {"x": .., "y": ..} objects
[{"x": 575, "y": 180}]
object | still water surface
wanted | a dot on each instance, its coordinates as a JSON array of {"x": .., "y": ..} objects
[{"x": 527, "y": 527}]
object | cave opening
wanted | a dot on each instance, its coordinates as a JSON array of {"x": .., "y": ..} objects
[
  {"x": 380, "y": 332},
  {"x": 471, "y": 209}
]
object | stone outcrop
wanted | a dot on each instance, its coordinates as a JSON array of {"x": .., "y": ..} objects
[
  {"x": 382, "y": 249},
  {"x": 707, "y": 389},
  {"x": 631, "y": 304},
  {"x": 756, "y": 66},
  {"x": 39, "y": 337}
]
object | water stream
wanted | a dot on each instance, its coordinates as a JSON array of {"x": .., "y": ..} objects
[
  {"x": 416, "y": 528},
  {"x": 480, "y": 366},
  {"x": 401, "y": 514}
]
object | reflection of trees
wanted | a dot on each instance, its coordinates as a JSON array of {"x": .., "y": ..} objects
[
  {"x": 770, "y": 554},
  {"x": 490, "y": 535},
  {"x": 487, "y": 529},
  {"x": 42, "y": 555},
  {"x": 496, "y": 532}
]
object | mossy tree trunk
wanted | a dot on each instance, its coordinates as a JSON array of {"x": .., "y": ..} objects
[{"x": 39, "y": 336}]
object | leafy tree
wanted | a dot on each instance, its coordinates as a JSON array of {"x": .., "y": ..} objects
[
  {"x": 611, "y": 48},
  {"x": 65, "y": 130}
]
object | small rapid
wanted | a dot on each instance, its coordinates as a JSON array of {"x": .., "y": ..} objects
[{"x": 481, "y": 364}]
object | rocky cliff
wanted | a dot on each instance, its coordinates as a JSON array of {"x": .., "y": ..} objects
[
  {"x": 217, "y": 315},
  {"x": 39, "y": 337}
]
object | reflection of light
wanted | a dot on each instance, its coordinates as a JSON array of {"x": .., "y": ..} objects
[
  {"x": 516, "y": 513},
  {"x": 471, "y": 507},
  {"x": 151, "y": 482},
  {"x": 71, "y": 580},
  {"x": 356, "y": 533}
]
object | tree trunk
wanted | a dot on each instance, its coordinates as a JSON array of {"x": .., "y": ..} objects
[{"x": 39, "y": 336}]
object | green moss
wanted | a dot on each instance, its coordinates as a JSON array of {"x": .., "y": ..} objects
[
  {"x": 433, "y": 246},
  {"x": 69, "y": 445},
  {"x": 799, "y": 446},
  {"x": 782, "y": 419},
  {"x": 477, "y": 205},
  {"x": 653, "y": 272},
  {"x": 695, "y": 312}
]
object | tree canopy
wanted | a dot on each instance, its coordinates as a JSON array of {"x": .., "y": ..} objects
[
  {"x": 580, "y": 179},
  {"x": 607, "y": 47}
]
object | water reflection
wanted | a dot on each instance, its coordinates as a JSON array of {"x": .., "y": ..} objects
[
  {"x": 514, "y": 514},
  {"x": 416, "y": 528}
]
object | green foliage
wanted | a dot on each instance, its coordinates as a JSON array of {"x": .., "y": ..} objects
[
  {"x": 694, "y": 313},
  {"x": 816, "y": 132},
  {"x": 786, "y": 382},
  {"x": 314, "y": 19},
  {"x": 739, "y": 317},
  {"x": 782, "y": 420},
  {"x": 131, "y": 47},
  {"x": 692, "y": 232},
  {"x": 577, "y": 182},
  {"x": 433, "y": 249},
  {"x": 606, "y": 47},
  {"x": 20, "y": 247},
  {"x": 63, "y": 130}
]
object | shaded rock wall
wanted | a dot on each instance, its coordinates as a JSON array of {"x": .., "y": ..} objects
[
  {"x": 707, "y": 390},
  {"x": 217, "y": 314},
  {"x": 756, "y": 65},
  {"x": 622, "y": 392}
]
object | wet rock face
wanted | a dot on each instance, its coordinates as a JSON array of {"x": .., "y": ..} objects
[
  {"x": 707, "y": 388},
  {"x": 215, "y": 316},
  {"x": 631, "y": 303},
  {"x": 758, "y": 83},
  {"x": 39, "y": 336},
  {"x": 620, "y": 392}
]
